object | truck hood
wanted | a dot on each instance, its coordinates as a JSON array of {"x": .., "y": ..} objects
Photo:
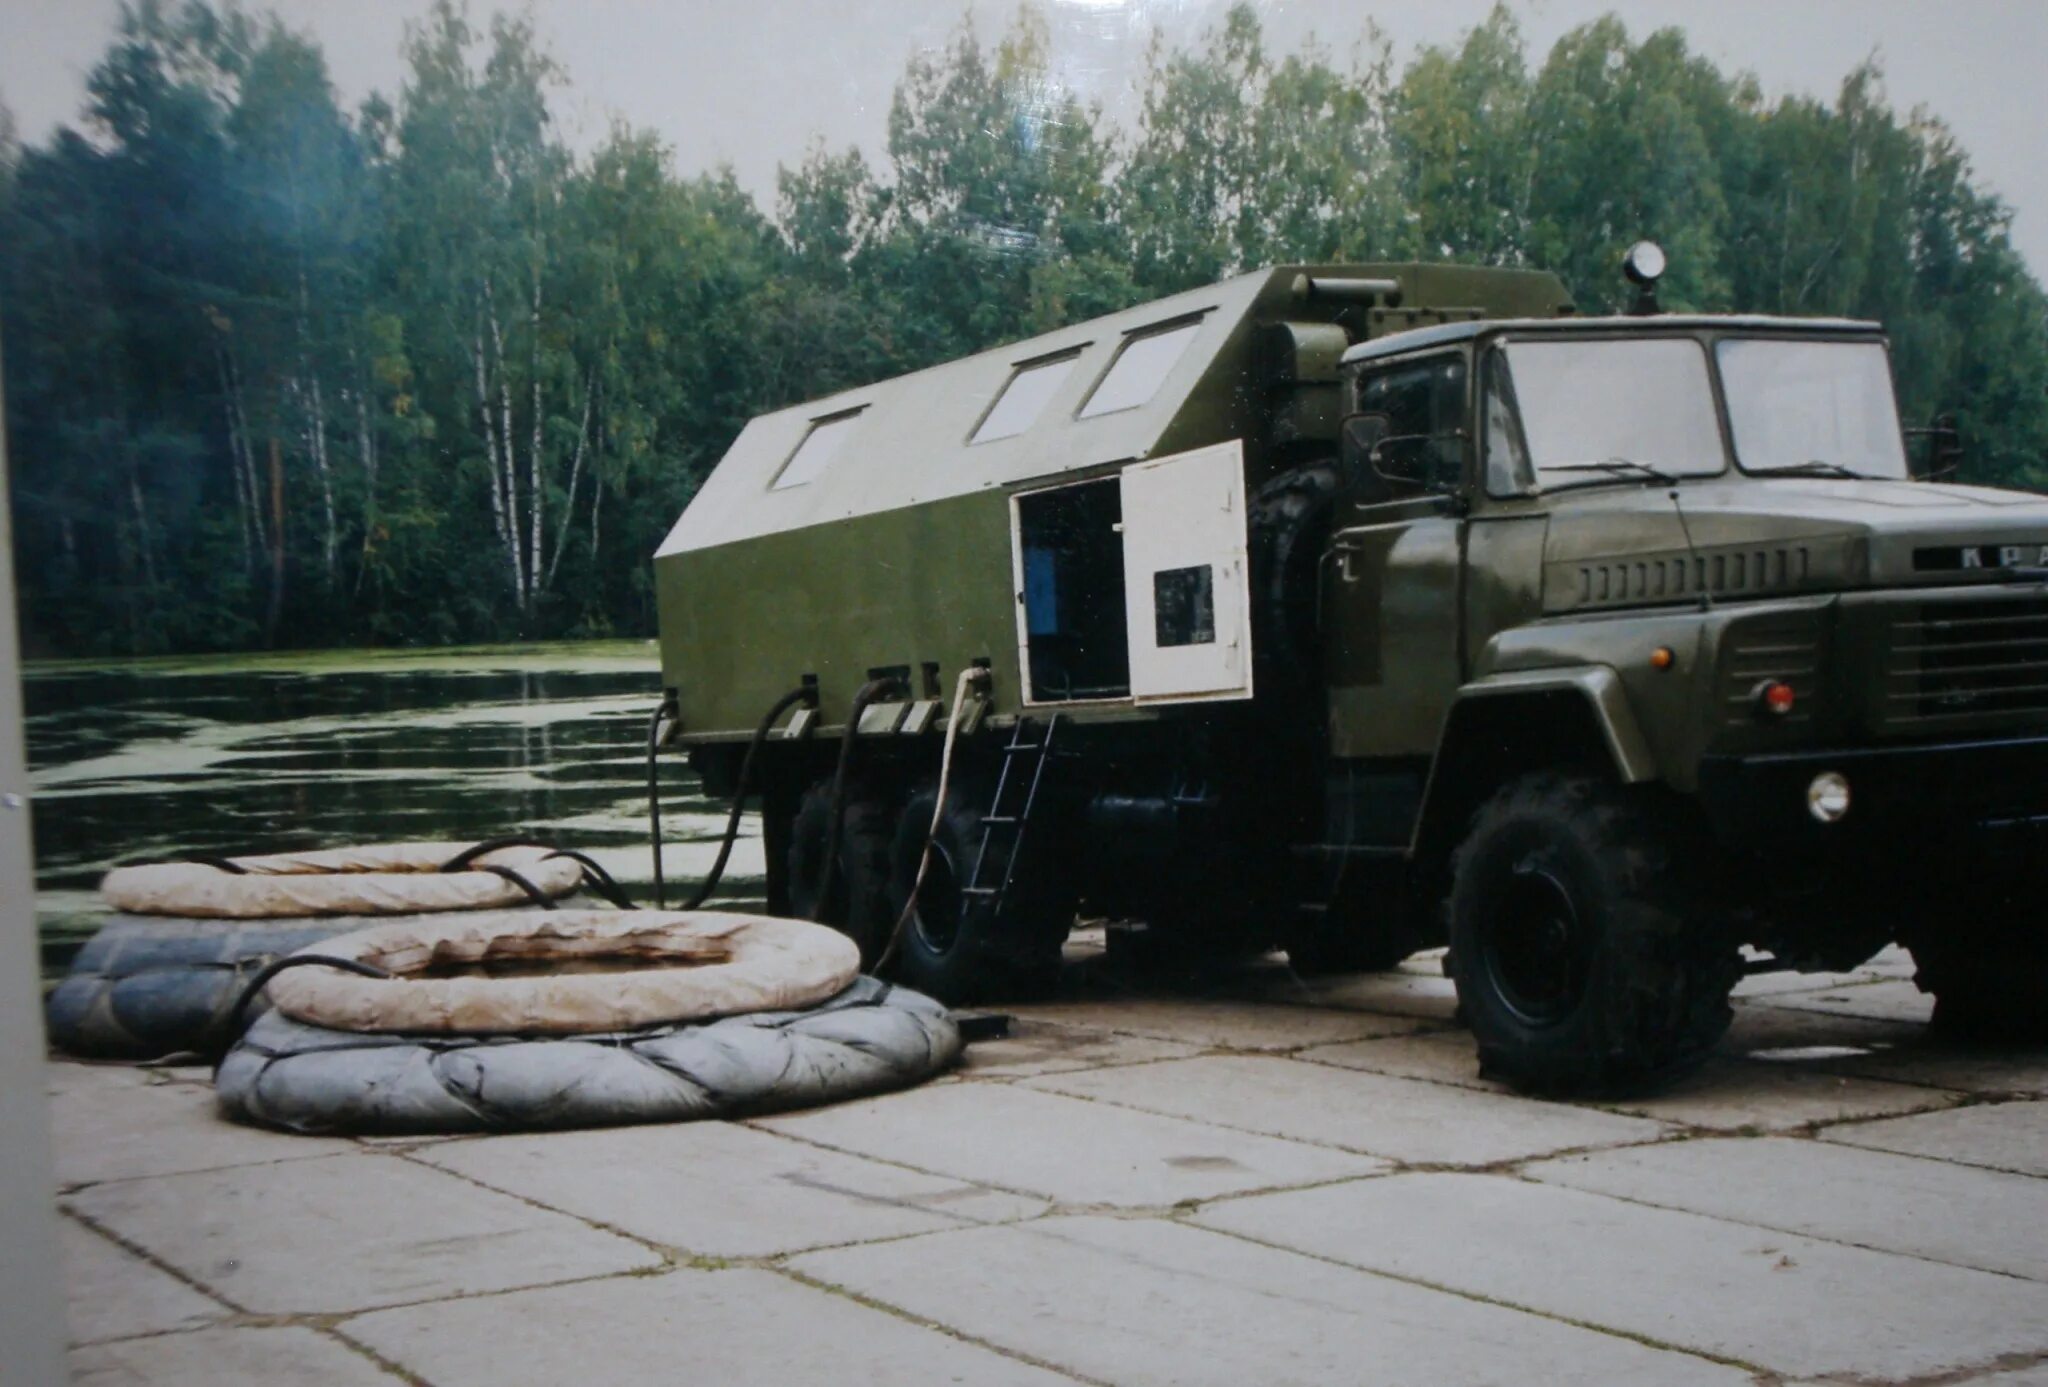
[{"x": 1626, "y": 545}]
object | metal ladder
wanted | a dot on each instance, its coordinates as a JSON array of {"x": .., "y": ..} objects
[{"x": 1005, "y": 820}]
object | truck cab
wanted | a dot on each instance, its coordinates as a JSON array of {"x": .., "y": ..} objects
[{"x": 1653, "y": 625}]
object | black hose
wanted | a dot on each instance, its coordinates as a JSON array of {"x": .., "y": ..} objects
[
  {"x": 219, "y": 864},
  {"x": 667, "y": 709},
  {"x": 276, "y": 966},
  {"x": 533, "y": 893},
  {"x": 462, "y": 860},
  {"x": 740, "y": 792},
  {"x": 869, "y": 692},
  {"x": 596, "y": 878},
  {"x": 802, "y": 694}
]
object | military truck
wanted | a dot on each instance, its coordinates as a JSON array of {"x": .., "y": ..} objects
[{"x": 1355, "y": 609}]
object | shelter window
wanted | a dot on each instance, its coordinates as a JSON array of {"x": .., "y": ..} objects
[
  {"x": 1141, "y": 367},
  {"x": 819, "y": 446},
  {"x": 1030, "y": 388}
]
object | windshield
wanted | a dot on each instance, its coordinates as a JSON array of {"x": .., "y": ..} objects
[
  {"x": 1812, "y": 406},
  {"x": 1640, "y": 407}
]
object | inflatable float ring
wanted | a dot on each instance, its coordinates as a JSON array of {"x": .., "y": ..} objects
[
  {"x": 869, "y": 1039},
  {"x": 567, "y": 972},
  {"x": 375, "y": 879}
]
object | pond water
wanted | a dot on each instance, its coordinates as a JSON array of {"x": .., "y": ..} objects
[{"x": 147, "y": 760}]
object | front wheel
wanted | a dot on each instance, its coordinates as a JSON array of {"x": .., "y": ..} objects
[{"x": 1587, "y": 957}]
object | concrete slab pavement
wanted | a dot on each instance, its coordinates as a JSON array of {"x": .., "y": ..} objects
[
  {"x": 711, "y": 1189},
  {"x": 1400, "y": 1119},
  {"x": 1424, "y": 996},
  {"x": 1217, "y": 1024},
  {"x": 113, "y": 1294},
  {"x": 1729, "y": 1094},
  {"x": 1892, "y": 999},
  {"x": 280, "y": 1356},
  {"x": 340, "y": 1233},
  {"x": 114, "y": 1124},
  {"x": 735, "y": 1328},
  {"x": 1042, "y": 1047},
  {"x": 2001, "y": 1136},
  {"x": 1985, "y": 1070},
  {"x": 1066, "y": 1149},
  {"x": 1734, "y": 1095},
  {"x": 1779, "y": 1302},
  {"x": 1152, "y": 1301},
  {"x": 1137, "y": 1187},
  {"x": 1924, "y": 1208}
]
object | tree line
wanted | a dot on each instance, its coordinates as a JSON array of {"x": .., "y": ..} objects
[{"x": 282, "y": 373}]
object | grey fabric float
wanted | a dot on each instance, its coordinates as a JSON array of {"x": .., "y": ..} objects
[
  {"x": 142, "y": 988},
  {"x": 870, "y": 1038}
]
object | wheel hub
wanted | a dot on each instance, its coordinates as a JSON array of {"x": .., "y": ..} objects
[{"x": 1537, "y": 948}]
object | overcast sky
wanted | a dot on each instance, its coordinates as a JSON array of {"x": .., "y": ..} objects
[{"x": 751, "y": 82}]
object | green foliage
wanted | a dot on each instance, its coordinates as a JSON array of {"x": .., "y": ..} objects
[{"x": 278, "y": 372}]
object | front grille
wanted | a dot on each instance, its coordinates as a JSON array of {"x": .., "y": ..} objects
[{"x": 1966, "y": 660}]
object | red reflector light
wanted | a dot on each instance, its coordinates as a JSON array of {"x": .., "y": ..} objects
[{"x": 1776, "y": 697}]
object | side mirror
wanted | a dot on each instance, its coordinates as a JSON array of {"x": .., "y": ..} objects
[
  {"x": 1362, "y": 434},
  {"x": 1944, "y": 447}
]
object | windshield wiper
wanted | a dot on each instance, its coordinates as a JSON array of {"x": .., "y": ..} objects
[
  {"x": 1617, "y": 467},
  {"x": 1817, "y": 469}
]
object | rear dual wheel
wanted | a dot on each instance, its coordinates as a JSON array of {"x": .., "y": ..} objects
[
  {"x": 857, "y": 901},
  {"x": 956, "y": 944}
]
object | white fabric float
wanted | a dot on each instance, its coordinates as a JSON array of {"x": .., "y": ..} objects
[
  {"x": 375, "y": 879},
  {"x": 607, "y": 970}
]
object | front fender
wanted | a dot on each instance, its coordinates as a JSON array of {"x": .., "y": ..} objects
[
  {"x": 1506, "y": 725},
  {"x": 1605, "y": 699}
]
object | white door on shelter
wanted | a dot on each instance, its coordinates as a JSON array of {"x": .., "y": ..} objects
[{"x": 1186, "y": 592}]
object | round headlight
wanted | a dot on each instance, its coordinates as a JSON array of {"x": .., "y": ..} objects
[
  {"x": 1644, "y": 263},
  {"x": 1827, "y": 798}
]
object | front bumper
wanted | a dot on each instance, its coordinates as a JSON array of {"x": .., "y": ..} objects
[{"x": 1997, "y": 787}]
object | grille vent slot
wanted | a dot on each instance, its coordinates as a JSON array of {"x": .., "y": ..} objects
[
  {"x": 1781, "y": 647},
  {"x": 1674, "y": 577}
]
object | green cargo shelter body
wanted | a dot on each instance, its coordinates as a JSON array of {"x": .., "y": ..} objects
[{"x": 897, "y": 552}]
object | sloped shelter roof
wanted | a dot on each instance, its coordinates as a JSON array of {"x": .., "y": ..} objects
[{"x": 1155, "y": 379}]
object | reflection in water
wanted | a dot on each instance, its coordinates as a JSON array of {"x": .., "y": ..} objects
[{"x": 135, "y": 765}]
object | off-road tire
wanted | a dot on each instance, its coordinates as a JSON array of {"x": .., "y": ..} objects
[
  {"x": 957, "y": 947},
  {"x": 1987, "y": 989},
  {"x": 1638, "y": 993},
  {"x": 858, "y": 906}
]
